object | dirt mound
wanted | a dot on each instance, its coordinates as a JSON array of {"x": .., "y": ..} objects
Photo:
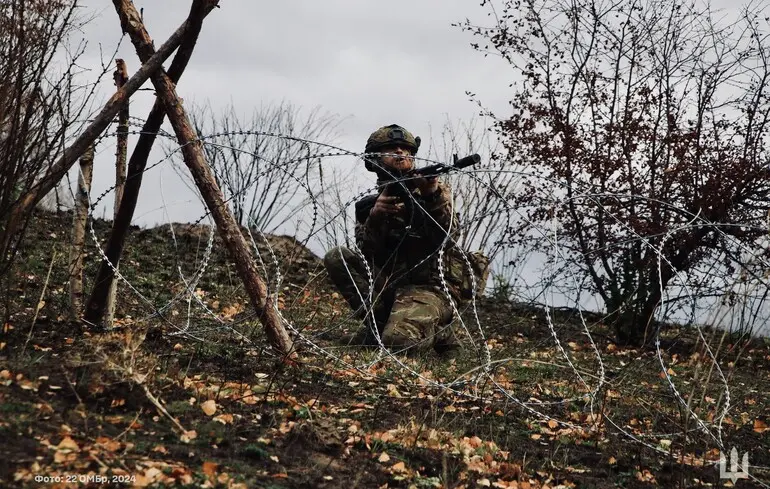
[{"x": 287, "y": 249}]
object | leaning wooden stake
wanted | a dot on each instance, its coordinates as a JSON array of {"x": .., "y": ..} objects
[
  {"x": 195, "y": 160},
  {"x": 121, "y": 77},
  {"x": 79, "y": 233},
  {"x": 113, "y": 250}
]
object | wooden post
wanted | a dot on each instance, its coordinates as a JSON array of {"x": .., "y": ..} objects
[
  {"x": 195, "y": 160},
  {"x": 121, "y": 154},
  {"x": 79, "y": 233}
]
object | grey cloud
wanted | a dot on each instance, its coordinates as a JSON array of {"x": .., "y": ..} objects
[{"x": 373, "y": 63}]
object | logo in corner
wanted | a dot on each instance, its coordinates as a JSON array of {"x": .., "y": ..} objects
[{"x": 735, "y": 472}]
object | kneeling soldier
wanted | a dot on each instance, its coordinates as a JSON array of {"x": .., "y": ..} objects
[{"x": 400, "y": 239}]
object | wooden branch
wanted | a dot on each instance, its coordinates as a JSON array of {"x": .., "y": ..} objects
[
  {"x": 104, "y": 278},
  {"x": 192, "y": 150}
]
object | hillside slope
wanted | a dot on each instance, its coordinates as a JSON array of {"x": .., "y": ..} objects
[{"x": 184, "y": 391}]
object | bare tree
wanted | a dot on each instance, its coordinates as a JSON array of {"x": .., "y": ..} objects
[
  {"x": 644, "y": 124},
  {"x": 30, "y": 187},
  {"x": 481, "y": 192},
  {"x": 266, "y": 165},
  {"x": 40, "y": 102}
]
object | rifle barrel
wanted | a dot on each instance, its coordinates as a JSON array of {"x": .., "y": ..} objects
[{"x": 441, "y": 168}]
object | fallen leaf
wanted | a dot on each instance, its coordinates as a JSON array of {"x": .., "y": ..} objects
[
  {"x": 148, "y": 477},
  {"x": 398, "y": 467},
  {"x": 68, "y": 444},
  {"x": 109, "y": 444},
  {"x": 224, "y": 418},
  {"x": 760, "y": 426},
  {"x": 552, "y": 423},
  {"x": 210, "y": 468},
  {"x": 188, "y": 436},
  {"x": 209, "y": 407},
  {"x": 384, "y": 457},
  {"x": 509, "y": 470},
  {"x": 506, "y": 485},
  {"x": 645, "y": 476}
]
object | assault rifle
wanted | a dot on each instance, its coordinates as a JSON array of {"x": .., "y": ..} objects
[{"x": 401, "y": 184}]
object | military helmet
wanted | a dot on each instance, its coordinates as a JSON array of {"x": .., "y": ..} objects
[{"x": 390, "y": 136}]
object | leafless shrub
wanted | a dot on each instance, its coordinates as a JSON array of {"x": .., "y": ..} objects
[
  {"x": 483, "y": 195},
  {"x": 651, "y": 117},
  {"x": 262, "y": 162},
  {"x": 41, "y": 99}
]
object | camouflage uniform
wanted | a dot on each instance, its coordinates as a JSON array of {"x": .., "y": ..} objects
[{"x": 410, "y": 307}]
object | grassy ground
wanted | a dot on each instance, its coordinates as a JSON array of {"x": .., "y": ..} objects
[{"x": 190, "y": 395}]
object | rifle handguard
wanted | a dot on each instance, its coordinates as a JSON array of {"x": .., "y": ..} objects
[{"x": 469, "y": 160}]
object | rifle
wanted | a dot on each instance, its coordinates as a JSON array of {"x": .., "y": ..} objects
[
  {"x": 441, "y": 168},
  {"x": 401, "y": 184}
]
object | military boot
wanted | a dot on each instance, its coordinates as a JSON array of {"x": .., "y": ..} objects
[
  {"x": 447, "y": 344},
  {"x": 363, "y": 337}
]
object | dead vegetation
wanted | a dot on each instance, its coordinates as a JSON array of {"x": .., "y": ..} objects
[{"x": 215, "y": 407}]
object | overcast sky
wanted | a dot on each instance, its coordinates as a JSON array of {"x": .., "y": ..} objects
[{"x": 371, "y": 63}]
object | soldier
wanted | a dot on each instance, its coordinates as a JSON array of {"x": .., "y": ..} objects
[{"x": 400, "y": 242}]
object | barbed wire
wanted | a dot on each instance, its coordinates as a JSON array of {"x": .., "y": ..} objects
[{"x": 559, "y": 261}]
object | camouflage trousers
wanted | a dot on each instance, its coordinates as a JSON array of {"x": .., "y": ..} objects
[{"x": 407, "y": 316}]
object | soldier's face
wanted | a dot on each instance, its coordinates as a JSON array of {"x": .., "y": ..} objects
[{"x": 399, "y": 158}]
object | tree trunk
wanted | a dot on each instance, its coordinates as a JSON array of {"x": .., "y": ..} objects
[
  {"x": 79, "y": 233},
  {"x": 204, "y": 179},
  {"x": 121, "y": 77},
  {"x": 114, "y": 249},
  {"x": 632, "y": 326}
]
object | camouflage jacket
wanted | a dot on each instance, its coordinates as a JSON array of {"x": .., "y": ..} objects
[{"x": 409, "y": 254}]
